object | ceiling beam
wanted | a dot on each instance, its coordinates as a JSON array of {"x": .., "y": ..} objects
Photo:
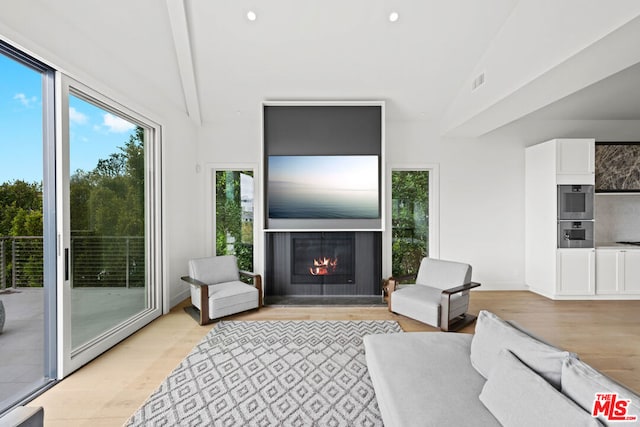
[{"x": 182, "y": 44}]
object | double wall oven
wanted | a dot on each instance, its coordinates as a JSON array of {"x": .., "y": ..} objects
[{"x": 575, "y": 216}]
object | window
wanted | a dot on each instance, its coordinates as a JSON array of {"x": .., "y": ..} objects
[
  {"x": 409, "y": 220},
  {"x": 234, "y": 215}
]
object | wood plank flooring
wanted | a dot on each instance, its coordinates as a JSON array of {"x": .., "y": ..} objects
[{"x": 605, "y": 334}]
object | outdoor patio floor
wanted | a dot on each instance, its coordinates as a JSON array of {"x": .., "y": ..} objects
[{"x": 94, "y": 310}]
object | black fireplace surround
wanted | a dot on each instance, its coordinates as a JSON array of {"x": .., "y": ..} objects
[{"x": 323, "y": 263}]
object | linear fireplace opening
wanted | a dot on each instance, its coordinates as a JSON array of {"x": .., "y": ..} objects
[
  {"x": 323, "y": 258},
  {"x": 323, "y": 263}
]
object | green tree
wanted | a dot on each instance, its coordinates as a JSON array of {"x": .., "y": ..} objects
[
  {"x": 233, "y": 236},
  {"x": 410, "y": 228}
]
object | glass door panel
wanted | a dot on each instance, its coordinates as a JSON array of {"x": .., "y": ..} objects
[
  {"x": 107, "y": 221},
  {"x": 26, "y": 285}
]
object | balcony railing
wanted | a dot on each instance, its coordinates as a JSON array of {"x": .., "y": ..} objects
[{"x": 95, "y": 261}]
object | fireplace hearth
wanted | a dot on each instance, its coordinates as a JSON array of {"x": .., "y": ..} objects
[{"x": 336, "y": 263}]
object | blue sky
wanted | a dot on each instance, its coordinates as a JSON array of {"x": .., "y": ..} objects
[{"x": 94, "y": 133}]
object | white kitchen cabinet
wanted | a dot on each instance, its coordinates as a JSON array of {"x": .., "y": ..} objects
[
  {"x": 575, "y": 161},
  {"x": 575, "y": 270},
  {"x": 617, "y": 271},
  {"x": 608, "y": 271},
  {"x": 549, "y": 271},
  {"x": 631, "y": 271}
]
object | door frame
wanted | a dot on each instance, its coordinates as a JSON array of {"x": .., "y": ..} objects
[{"x": 69, "y": 360}]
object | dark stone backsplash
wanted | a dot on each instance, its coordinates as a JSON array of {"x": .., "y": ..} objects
[{"x": 618, "y": 167}]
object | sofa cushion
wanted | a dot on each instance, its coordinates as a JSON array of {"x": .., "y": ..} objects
[
  {"x": 425, "y": 379},
  {"x": 493, "y": 334},
  {"x": 517, "y": 396},
  {"x": 581, "y": 382}
]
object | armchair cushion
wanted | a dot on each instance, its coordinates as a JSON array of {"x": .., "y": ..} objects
[
  {"x": 212, "y": 270},
  {"x": 443, "y": 274},
  {"x": 228, "y": 298},
  {"x": 421, "y": 303}
]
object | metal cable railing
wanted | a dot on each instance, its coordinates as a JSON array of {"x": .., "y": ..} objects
[{"x": 95, "y": 261}]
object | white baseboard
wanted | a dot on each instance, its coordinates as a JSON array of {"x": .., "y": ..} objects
[
  {"x": 179, "y": 297},
  {"x": 501, "y": 287}
]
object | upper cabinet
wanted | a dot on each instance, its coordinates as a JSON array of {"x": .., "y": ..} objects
[
  {"x": 617, "y": 168},
  {"x": 575, "y": 161}
]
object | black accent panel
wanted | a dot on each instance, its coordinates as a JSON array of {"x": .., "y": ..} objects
[{"x": 358, "y": 270}]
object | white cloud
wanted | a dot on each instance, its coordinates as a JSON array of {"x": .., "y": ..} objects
[
  {"x": 24, "y": 100},
  {"x": 115, "y": 124},
  {"x": 77, "y": 117}
]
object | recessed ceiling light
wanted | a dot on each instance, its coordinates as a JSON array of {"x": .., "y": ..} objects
[
  {"x": 393, "y": 16},
  {"x": 251, "y": 15}
]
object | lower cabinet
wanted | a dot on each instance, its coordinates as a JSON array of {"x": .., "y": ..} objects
[
  {"x": 575, "y": 271},
  {"x": 618, "y": 271}
]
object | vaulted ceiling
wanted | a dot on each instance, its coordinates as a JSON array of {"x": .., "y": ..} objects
[{"x": 206, "y": 58}]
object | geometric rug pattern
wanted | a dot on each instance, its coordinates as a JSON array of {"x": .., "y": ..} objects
[{"x": 271, "y": 373}]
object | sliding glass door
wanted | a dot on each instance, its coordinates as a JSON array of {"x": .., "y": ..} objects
[
  {"x": 27, "y": 228},
  {"x": 80, "y": 225},
  {"x": 109, "y": 263}
]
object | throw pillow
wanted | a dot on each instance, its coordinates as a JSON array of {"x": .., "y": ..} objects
[
  {"x": 581, "y": 382},
  {"x": 494, "y": 334},
  {"x": 517, "y": 396}
]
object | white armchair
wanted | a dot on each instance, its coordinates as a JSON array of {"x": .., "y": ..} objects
[
  {"x": 439, "y": 297},
  {"x": 216, "y": 289}
]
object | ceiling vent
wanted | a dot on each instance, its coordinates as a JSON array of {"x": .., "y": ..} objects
[{"x": 477, "y": 82}]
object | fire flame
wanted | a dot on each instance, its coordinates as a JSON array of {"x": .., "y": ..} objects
[{"x": 323, "y": 266}]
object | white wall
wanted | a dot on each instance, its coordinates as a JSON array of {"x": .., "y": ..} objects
[
  {"x": 546, "y": 50},
  {"x": 481, "y": 198},
  {"x": 481, "y": 184}
]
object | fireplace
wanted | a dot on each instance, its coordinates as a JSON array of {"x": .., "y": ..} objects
[
  {"x": 322, "y": 258},
  {"x": 323, "y": 263}
]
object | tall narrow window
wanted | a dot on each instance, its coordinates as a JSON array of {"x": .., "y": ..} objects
[
  {"x": 409, "y": 220},
  {"x": 27, "y": 280},
  {"x": 234, "y": 215}
]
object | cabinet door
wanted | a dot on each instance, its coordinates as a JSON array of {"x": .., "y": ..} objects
[
  {"x": 608, "y": 271},
  {"x": 631, "y": 271},
  {"x": 576, "y": 271},
  {"x": 575, "y": 161}
]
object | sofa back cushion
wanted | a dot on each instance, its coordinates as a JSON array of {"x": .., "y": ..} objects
[
  {"x": 517, "y": 396},
  {"x": 493, "y": 334},
  {"x": 214, "y": 270},
  {"x": 442, "y": 274},
  {"x": 581, "y": 382}
]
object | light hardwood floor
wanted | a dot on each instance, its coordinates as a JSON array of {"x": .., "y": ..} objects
[{"x": 107, "y": 391}]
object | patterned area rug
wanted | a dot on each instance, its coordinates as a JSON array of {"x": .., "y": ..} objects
[{"x": 271, "y": 373}]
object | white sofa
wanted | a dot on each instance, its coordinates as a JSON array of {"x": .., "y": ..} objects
[{"x": 501, "y": 375}]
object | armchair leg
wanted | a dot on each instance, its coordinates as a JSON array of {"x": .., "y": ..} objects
[
  {"x": 258, "y": 284},
  {"x": 457, "y": 323},
  {"x": 204, "y": 305}
]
